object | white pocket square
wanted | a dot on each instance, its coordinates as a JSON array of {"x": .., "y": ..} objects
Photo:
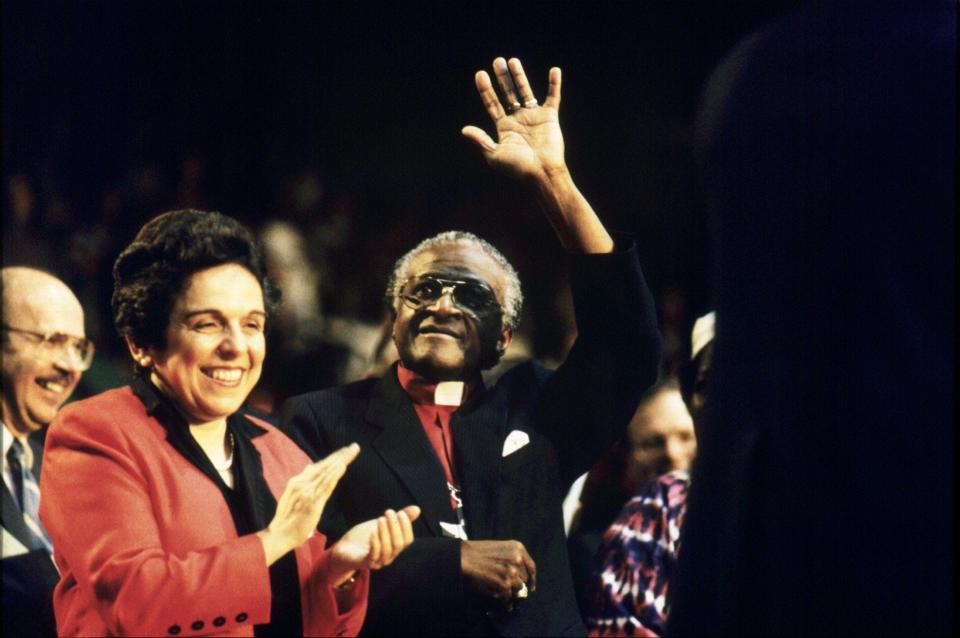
[
  {"x": 515, "y": 440},
  {"x": 453, "y": 531}
]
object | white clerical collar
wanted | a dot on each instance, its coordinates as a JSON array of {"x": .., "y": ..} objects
[{"x": 448, "y": 393}]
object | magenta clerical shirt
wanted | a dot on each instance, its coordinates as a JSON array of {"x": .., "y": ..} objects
[{"x": 434, "y": 418}]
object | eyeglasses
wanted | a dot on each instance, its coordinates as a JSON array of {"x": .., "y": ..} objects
[
  {"x": 472, "y": 296},
  {"x": 55, "y": 344}
]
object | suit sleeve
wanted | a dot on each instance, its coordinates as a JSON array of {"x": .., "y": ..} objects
[
  {"x": 97, "y": 509},
  {"x": 591, "y": 397},
  {"x": 424, "y": 581},
  {"x": 322, "y": 614},
  {"x": 28, "y": 581}
]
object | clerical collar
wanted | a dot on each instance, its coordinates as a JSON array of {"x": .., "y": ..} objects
[{"x": 425, "y": 392}]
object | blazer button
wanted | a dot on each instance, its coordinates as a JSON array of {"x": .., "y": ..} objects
[
  {"x": 242, "y": 616},
  {"x": 197, "y": 625},
  {"x": 173, "y": 630},
  {"x": 219, "y": 621}
]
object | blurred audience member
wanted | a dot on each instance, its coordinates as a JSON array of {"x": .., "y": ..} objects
[
  {"x": 628, "y": 590},
  {"x": 190, "y": 186},
  {"x": 25, "y": 242},
  {"x": 45, "y": 350},
  {"x": 660, "y": 438},
  {"x": 672, "y": 310},
  {"x": 287, "y": 262},
  {"x": 308, "y": 350},
  {"x": 298, "y": 358},
  {"x": 822, "y": 496},
  {"x": 694, "y": 375}
]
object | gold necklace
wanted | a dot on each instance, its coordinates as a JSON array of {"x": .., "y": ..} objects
[{"x": 228, "y": 462}]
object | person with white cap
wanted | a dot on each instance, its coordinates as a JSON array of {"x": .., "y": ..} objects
[{"x": 627, "y": 592}]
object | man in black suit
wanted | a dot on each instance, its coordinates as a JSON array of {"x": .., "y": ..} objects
[
  {"x": 488, "y": 466},
  {"x": 44, "y": 352}
]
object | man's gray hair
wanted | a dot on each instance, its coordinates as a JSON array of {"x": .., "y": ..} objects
[{"x": 513, "y": 295}]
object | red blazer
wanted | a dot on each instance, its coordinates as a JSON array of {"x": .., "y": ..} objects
[{"x": 145, "y": 542}]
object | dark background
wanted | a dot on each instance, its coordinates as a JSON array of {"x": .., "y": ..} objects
[{"x": 114, "y": 112}]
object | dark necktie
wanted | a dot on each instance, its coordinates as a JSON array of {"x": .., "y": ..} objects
[{"x": 27, "y": 493}]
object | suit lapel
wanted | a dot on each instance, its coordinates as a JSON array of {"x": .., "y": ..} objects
[
  {"x": 477, "y": 440},
  {"x": 403, "y": 446}
]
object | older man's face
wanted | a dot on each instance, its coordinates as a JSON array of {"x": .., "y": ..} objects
[
  {"x": 661, "y": 437},
  {"x": 36, "y": 381},
  {"x": 446, "y": 340}
]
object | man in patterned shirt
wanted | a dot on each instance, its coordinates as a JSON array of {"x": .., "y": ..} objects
[{"x": 629, "y": 586}]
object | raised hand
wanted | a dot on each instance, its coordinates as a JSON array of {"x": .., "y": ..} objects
[
  {"x": 530, "y": 145},
  {"x": 372, "y": 544},
  {"x": 529, "y": 141},
  {"x": 500, "y": 570},
  {"x": 302, "y": 502}
]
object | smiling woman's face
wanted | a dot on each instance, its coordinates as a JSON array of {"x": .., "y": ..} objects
[
  {"x": 215, "y": 344},
  {"x": 442, "y": 341}
]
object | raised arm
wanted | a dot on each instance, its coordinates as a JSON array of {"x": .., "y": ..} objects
[{"x": 529, "y": 145}]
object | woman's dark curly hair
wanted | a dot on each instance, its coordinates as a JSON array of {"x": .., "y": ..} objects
[{"x": 152, "y": 271}]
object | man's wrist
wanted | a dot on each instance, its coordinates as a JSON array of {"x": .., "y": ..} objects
[
  {"x": 274, "y": 545},
  {"x": 553, "y": 178}
]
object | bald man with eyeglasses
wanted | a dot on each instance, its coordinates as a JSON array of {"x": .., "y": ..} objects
[{"x": 45, "y": 350}]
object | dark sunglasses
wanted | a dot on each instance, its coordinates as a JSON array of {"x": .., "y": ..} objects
[{"x": 424, "y": 290}]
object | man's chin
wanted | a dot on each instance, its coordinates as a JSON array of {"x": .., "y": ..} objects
[
  {"x": 35, "y": 421},
  {"x": 437, "y": 368}
]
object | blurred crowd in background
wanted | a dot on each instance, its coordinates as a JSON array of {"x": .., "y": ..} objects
[
  {"x": 333, "y": 132},
  {"x": 327, "y": 251}
]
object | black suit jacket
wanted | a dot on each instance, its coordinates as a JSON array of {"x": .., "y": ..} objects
[
  {"x": 28, "y": 579},
  {"x": 570, "y": 415}
]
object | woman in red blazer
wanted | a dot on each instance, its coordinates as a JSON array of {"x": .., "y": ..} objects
[{"x": 173, "y": 510}]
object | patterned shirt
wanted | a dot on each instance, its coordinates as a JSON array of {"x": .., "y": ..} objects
[{"x": 628, "y": 587}]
